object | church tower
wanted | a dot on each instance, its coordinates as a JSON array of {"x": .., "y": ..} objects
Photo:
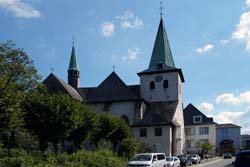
[
  {"x": 73, "y": 70},
  {"x": 162, "y": 81}
]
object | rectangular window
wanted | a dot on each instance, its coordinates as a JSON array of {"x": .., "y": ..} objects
[
  {"x": 224, "y": 133},
  {"x": 143, "y": 132},
  {"x": 190, "y": 131},
  {"x": 197, "y": 119},
  {"x": 160, "y": 157},
  {"x": 203, "y": 141},
  {"x": 165, "y": 84},
  {"x": 190, "y": 143},
  {"x": 158, "y": 131},
  {"x": 106, "y": 106},
  {"x": 204, "y": 130}
]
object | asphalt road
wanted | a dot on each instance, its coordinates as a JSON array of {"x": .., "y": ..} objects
[{"x": 216, "y": 163}]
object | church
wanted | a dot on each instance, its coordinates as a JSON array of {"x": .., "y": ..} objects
[{"x": 153, "y": 109}]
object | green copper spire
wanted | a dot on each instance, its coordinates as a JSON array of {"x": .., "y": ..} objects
[
  {"x": 73, "y": 61},
  {"x": 161, "y": 55}
]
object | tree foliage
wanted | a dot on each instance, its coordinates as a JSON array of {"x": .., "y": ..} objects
[
  {"x": 205, "y": 147},
  {"x": 53, "y": 117},
  {"x": 18, "y": 75},
  {"x": 110, "y": 128},
  {"x": 17, "y": 68}
]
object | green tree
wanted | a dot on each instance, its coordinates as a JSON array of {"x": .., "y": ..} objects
[
  {"x": 120, "y": 132},
  {"x": 205, "y": 147},
  {"x": 18, "y": 75},
  {"x": 17, "y": 68},
  {"x": 103, "y": 126},
  {"x": 129, "y": 147},
  {"x": 53, "y": 117},
  {"x": 110, "y": 128}
]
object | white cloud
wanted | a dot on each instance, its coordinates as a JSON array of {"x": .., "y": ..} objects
[
  {"x": 224, "y": 41},
  {"x": 248, "y": 2},
  {"x": 107, "y": 28},
  {"x": 20, "y": 9},
  {"x": 228, "y": 117},
  {"x": 128, "y": 20},
  {"x": 52, "y": 53},
  {"x": 206, "y": 106},
  {"x": 230, "y": 98},
  {"x": 132, "y": 54},
  {"x": 206, "y": 48},
  {"x": 242, "y": 32}
]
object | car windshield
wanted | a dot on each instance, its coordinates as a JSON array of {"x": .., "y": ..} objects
[
  {"x": 193, "y": 155},
  {"x": 141, "y": 158},
  {"x": 169, "y": 159},
  {"x": 244, "y": 159},
  {"x": 182, "y": 157}
]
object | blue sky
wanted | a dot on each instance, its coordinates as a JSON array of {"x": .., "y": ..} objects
[{"x": 210, "y": 41}]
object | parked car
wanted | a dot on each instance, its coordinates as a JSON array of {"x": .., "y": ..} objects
[
  {"x": 148, "y": 159},
  {"x": 185, "y": 159},
  {"x": 195, "y": 158},
  {"x": 242, "y": 159},
  {"x": 227, "y": 155},
  {"x": 173, "y": 162}
]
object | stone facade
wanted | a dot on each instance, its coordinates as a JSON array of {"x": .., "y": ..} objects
[{"x": 160, "y": 93}]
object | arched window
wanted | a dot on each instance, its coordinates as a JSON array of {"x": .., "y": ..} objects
[
  {"x": 165, "y": 84},
  {"x": 125, "y": 118},
  {"x": 152, "y": 85}
]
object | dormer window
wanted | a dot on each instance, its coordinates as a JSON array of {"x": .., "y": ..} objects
[
  {"x": 197, "y": 119},
  {"x": 160, "y": 65},
  {"x": 152, "y": 85},
  {"x": 165, "y": 84}
]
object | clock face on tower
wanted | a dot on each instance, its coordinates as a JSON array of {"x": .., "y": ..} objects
[{"x": 158, "y": 78}]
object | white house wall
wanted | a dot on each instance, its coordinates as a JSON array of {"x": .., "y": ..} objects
[
  {"x": 160, "y": 143},
  {"x": 211, "y": 136}
]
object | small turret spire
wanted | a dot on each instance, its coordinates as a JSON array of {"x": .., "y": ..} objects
[
  {"x": 73, "y": 70},
  {"x": 73, "y": 65}
]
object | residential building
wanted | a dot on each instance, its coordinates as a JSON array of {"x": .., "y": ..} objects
[
  {"x": 245, "y": 141},
  {"x": 199, "y": 129},
  {"x": 228, "y": 133},
  {"x": 153, "y": 108}
]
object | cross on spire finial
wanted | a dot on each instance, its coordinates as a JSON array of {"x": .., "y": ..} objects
[
  {"x": 52, "y": 69},
  {"x": 73, "y": 40},
  {"x": 113, "y": 67},
  {"x": 161, "y": 7}
]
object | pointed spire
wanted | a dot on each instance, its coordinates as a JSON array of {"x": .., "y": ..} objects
[
  {"x": 161, "y": 55},
  {"x": 73, "y": 65}
]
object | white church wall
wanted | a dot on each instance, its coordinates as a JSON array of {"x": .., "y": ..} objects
[
  {"x": 180, "y": 133},
  {"x": 118, "y": 109}
]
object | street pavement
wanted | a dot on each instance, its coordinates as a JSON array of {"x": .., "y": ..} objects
[{"x": 218, "y": 162}]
